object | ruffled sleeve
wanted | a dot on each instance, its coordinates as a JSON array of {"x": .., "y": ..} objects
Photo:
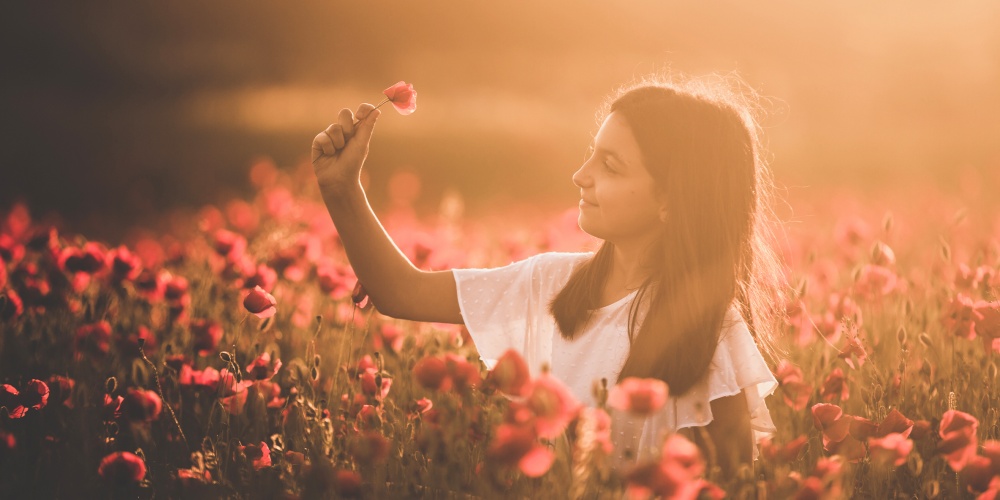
[{"x": 736, "y": 366}]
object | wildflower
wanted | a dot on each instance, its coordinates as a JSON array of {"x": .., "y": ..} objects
[
  {"x": 553, "y": 406},
  {"x": 514, "y": 444},
  {"x": 783, "y": 453},
  {"x": 263, "y": 367},
  {"x": 369, "y": 448},
  {"x": 510, "y": 374},
  {"x": 89, "y": 260},
  {"x": 260, "y": 303},
  {"x": 122, "y": 467},
  {"x": 676, "y": 475},
  {"x": 958, "y": 438},
  {"x": 432, "y": 373},
  {"x": 125, "y": 266},
  {"x": 640, "y": 396},
  {"x": 370, "y": 386},
  {"x": 140, "y": 405},
  {"x": 835, "y": 386},
  {"x": 462, "y": 373},
  {"x": 794, "y": 390},
  {"x": 259, "y": 455},
  {"x": 960, "y": 317},
  {"x": 853, "y": 350},
  {"x": 263, "y": 276},
  {"x": 403, "y": 97},
  {"x": 206, "y": 335},
  {"x": 894, "y": 448}
]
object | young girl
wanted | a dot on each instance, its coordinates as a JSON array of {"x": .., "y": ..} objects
[{"x": 680, "y": 289}]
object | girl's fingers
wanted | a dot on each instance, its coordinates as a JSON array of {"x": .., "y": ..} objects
[
  {"x": 346, "y": 121},
  {"x": 336, "y": 133},
  {"x": 323, "y": 143},
  {"x": 363, "y": 111}
]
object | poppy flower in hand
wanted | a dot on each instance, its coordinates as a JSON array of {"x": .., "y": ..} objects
[{"x": 403, "y": 97}]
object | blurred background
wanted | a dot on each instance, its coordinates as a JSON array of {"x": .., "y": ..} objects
[{"x": 114, "y": 113}]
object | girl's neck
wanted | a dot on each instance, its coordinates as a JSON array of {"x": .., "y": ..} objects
[{"x": 629, "y": 266}]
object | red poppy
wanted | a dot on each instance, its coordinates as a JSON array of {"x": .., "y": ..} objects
[
  {"x": 518, "y": 445},
  {"x": 958, "y": 438},
  {"x": 835, "y": 386},
  {"x": 263, "y": 367},
  {"x": 122, "y": 467},
  {"x": 125, "y": 266},
  {"x": 510, "y": 374},
  {"x": 782, "y": 453},
  {"x": 206, "y": 335},
  {"x": 90, "y": 259},
  {"x": 10, "y": 398},
  {"x": 369, "y": 385},
  {"x": 431, "y": 372},
  {"x": 347, "y": 483},
  {"x": 369, "y": 448},
  {"x": 676, "y": 475},
  {"x": 140, "y": 405},
  {"x": 794, "y": 390},
  {"x": 960, "y": 317},
  {"x": 35, "y": 394},
  {"x": 403, "y": 97},
  {"x": 260, "y": 303},
  {"x": 893, "y": 448},
  {"x": 462, "y": 373},
  {"x": 552, "y": 404},
  {"x": 94, "y": 338},
  {"x": 259, "y": 455},
  {"x": 853, "y": 350},
  {"x": 640, "y": 396},
  {"x": 229, "y": 244}
]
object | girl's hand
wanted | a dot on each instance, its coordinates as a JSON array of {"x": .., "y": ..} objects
[{"x": 339, "y": 151}]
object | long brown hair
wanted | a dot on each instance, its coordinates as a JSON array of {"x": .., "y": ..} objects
[{"x": 700, "y": 142}]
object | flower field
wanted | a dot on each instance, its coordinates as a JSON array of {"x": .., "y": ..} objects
[{"x": 233, "y": 356}]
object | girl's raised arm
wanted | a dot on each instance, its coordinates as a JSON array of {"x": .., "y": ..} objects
[{"x": 394, "y": 285}]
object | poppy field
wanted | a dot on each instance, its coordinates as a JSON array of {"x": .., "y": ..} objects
[{"x": 235, "y": 356}]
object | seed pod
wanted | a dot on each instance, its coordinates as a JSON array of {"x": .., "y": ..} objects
[
  {"x": 887, "y": 222},
  {"x": 945, "y": 250},
  {"x": 316, "y": 360},
  {"x": 901, "y": 335},
  {"x": 925, "y": 339},
  {"x": 314, "y": 373},
  {"x": 110, "y": 385},
  {"x": 228, "y": 358}
]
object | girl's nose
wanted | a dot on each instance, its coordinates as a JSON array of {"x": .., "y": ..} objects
[{"x": 580, "y": 178}]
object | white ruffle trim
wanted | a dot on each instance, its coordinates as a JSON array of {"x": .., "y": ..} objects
[{"x": 737, "y": 366}]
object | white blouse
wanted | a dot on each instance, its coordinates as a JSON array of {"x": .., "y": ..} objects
[{"x": 507, "y": 307}]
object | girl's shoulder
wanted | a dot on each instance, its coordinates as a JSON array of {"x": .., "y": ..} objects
[{"x": 550, "y": 265}]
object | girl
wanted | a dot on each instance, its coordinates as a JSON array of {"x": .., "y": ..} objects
[{"x": 680, "y": 289}]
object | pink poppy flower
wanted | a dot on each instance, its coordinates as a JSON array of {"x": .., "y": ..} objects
[
  {"x": 518, "y": 445},
  {"x": 260, "y": 303},
  {"x": 782, "y": 453},
  {"x": 829, "y": 419},
  {"x": 125, "y": 266},
  {"x": 893, "y": 448},
  {"x": 510, "y": 374},
  {"x": 263, "y": 367},
  {"x": 90, "y": 259},
  {"x": 835, "y": 386},
  {"x": 553, "y": 406},
  {"x": 403, "y": 97},
  {"x": 462, "y": 373},
  {"x": 206, "y": 335},
  {"x": 853, "y": 350},
  {"x": 122, "y": 467},
  {"x": 431, "y": 372},
  {"x": 960, "y": 317},
  {"x": 793, "y": 389},
  {"x": 259, "y": 455},
  {"x": 370, "y": 386},
  {"x": 10, "y": 398},
  {"x": 369, "y": 448},
  {"x": 140, "y": 405},
  {"x": 640, "y": 396},
  {"x": 958, "y": 438},
  {"x": 876, "y": 281}
]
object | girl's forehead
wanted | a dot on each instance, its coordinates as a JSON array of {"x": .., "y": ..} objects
[{"x": 615, "y": 137}]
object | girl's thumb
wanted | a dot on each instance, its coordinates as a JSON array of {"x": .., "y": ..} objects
[{"x": 367, "y": 124}]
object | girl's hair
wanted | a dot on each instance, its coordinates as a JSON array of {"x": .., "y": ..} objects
[{"x": 700, "y": 142}]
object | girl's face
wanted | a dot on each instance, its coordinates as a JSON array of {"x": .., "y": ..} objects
[{"x": 617, "y": 196}]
